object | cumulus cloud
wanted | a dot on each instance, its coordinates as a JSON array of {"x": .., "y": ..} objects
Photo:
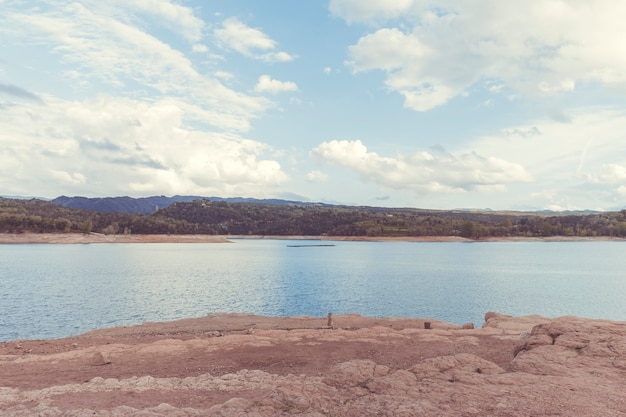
[
  {"x": 250, "y": 42},
  {"x": 162, "y": 127},
  {"x": 422, "y": 171},
  {"x": 266, "y": 84},
  {"x": 433, "y": 54},
  {"x": 118, "y": 145}
]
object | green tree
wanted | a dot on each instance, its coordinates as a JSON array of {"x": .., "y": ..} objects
[
  {"x": 86, "y": 227},
  {"x": 468, "y": 230}
]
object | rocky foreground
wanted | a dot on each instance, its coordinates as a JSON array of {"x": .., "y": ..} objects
[{"x": 240, "y": 365}]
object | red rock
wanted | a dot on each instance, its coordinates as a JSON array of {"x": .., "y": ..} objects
[{"x": 296, "y": 366}]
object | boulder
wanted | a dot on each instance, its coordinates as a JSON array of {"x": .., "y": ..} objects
[
  {"x": 100, "y": 358},
  {"x": 570, "y": 346}
]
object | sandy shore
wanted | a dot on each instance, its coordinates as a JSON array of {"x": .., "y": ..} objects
[
  {"x": 80, "y": 238},
  {"x": 241, "y": 365}
]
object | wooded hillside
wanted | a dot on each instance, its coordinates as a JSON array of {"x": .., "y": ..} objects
[{"x": 218, "y": 217}]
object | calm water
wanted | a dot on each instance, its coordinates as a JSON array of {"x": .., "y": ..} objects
[{"x": 49, "y": 291}]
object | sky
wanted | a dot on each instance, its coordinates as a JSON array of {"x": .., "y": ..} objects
[{"x": 440, "y": 104}]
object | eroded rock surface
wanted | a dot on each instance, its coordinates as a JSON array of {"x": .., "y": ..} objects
[{"x": 236, "y": 365}]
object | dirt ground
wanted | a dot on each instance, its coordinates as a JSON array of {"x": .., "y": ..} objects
[
  {"x": 280, "y": 358},
  {"x": 242, "y": 365}
]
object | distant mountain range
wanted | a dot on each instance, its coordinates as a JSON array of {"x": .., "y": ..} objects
[{"x": 149, "y": 205}]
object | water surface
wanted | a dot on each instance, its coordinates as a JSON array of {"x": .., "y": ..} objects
[{"x": 49, "y": 291}]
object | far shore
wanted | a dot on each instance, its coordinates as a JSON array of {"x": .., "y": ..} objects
[{"x": 83, "y": 238}]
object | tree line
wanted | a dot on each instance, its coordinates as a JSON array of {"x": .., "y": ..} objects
[
  {"x": 215, "y": 217},
  {"x": 37, "y": 216}
]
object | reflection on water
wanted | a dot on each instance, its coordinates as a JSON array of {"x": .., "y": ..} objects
[{"x": 58, "y": 290}]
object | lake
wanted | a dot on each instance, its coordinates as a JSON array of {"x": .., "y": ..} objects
[{"x": 51, "y": 291}]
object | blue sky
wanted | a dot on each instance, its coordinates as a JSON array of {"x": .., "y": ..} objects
[{"x": 406, "y": 103}]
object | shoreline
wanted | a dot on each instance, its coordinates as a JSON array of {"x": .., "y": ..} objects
[{"x": 81, "y": 238}]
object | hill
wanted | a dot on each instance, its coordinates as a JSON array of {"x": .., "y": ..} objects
[
  {"x": 148, "y": 205},
  {"x": 204, "y": 216}
]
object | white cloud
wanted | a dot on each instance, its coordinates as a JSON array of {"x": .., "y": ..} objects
[
  {"x": 250, "y": 42},
  {"x": 66, "y": 177},
  {"x": 171, "y": 129},
  {"x": 423, "y": 171},
  {"x": 200, "y": 48},
  {"x": 268, "y": 85},
  {"x": 225, "y": 75},
  {"x": 433, "y": 54},
  {"x": 368, "y": 10},
  {"x": 579, "y": 162},
  {"x": 609, "y": 174},
  {"x": 117, "y": 145},
  {"x": 114, "y": 51},
  {"x": 522, "y": 132},
  {"x": 120, "y": 54},
  {"x": 551, "y": 149},
  {"x": 317, "y": 176},
  {"x": 178, "y": 18},
  {"x": 387, "y": 49}
]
